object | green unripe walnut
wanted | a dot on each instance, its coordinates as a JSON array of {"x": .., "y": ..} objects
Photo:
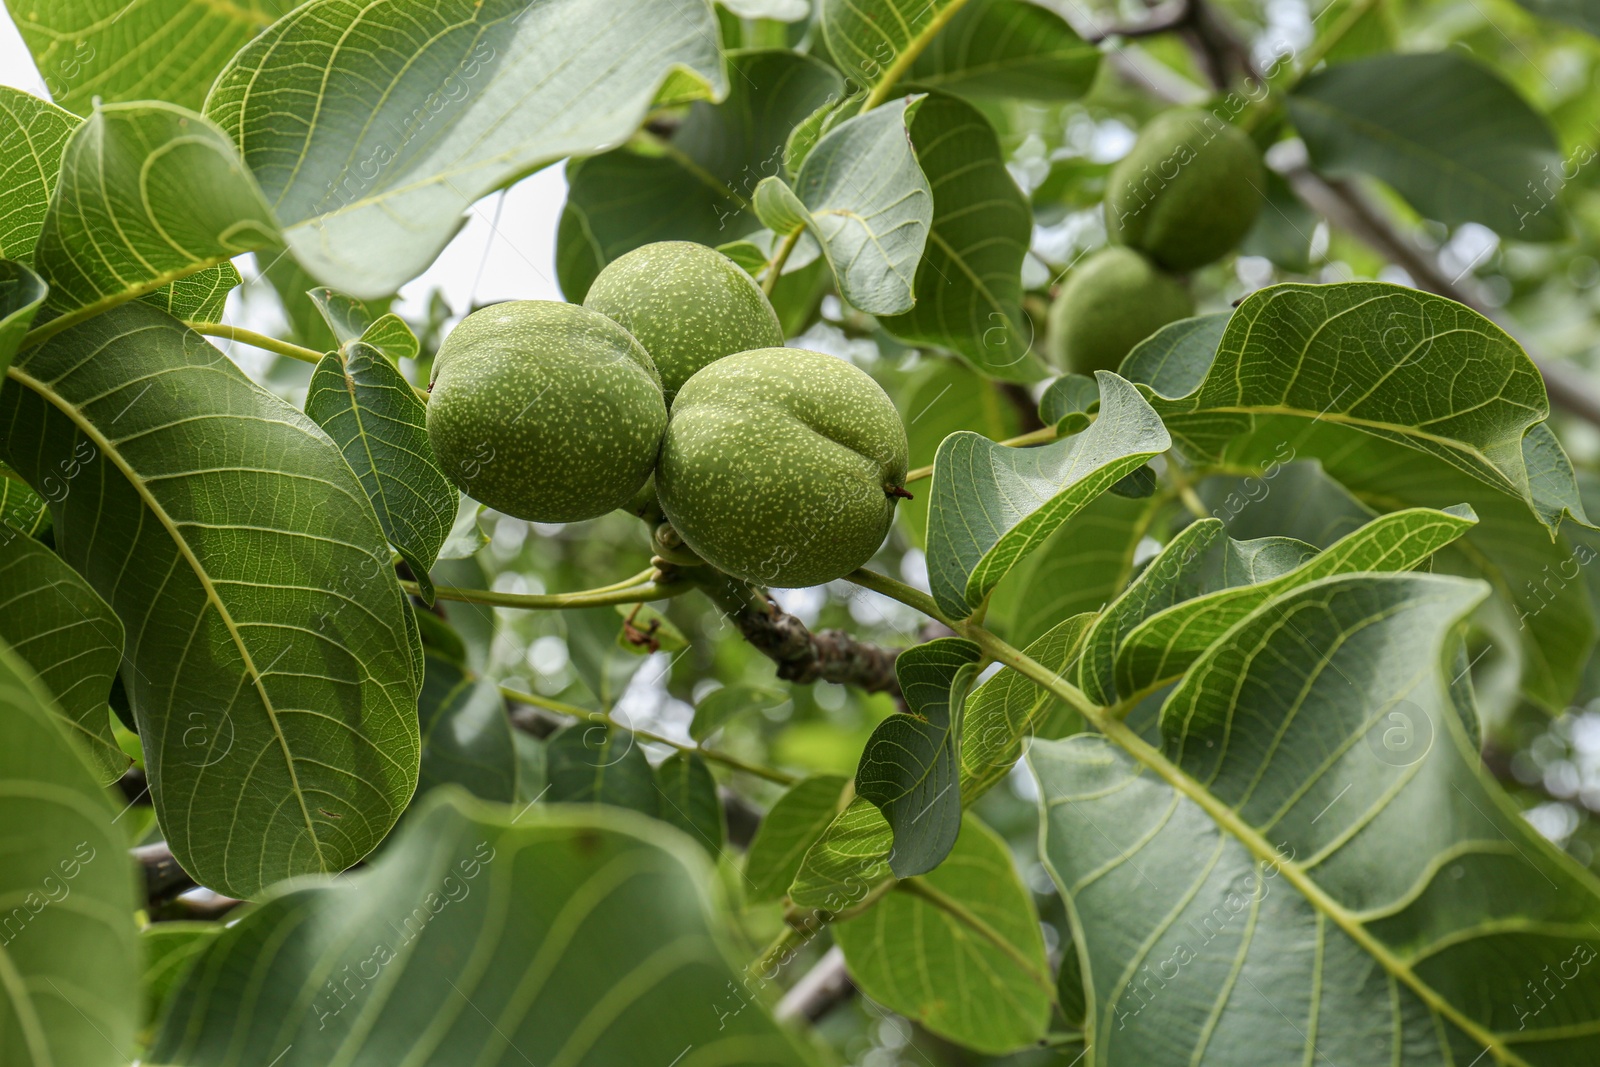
[
  {"x": 687, "y": 304},
  {"x": 545, "y": 411},
  {"x": 1110, "y": 302},
  {"x": 1188, "y": 192},
  {"x": 782, "y": 466}
]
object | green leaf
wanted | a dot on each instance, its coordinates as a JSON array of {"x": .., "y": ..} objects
[
  {"x": 967, "y": 960},
  {"x": 1451, "y": 137},
  {"x": 466, "y": 736},
  {"x": 1408, "y": 400},
  {"x": 594, "y": 643},
  {"x": 1577, "y": 13},
  {"x": 863, "y": 197},
  {"x": 695, "y": 185},
  {"x": 70, "y": 638},
  {"x": 875, "y": 41},
  {"x": 910, "y": 766},
  {"x": 1164, "y": 645},
  {"x": 944, "y": 396},
  {"x": 1006, "y": 710},
  {"x": 1200, "y": 559},
  {"x": 1283, "y": 231},
  {"x": 117, "y": 50},
  {"x": 20, "y": 507},
  {"x": 1290, "y": 499},
  {"x": 349, "y": 321},
  {"x": 198, "y": 297},
  {"x": 1069, "y": 403},
  {"x": 782, "y": 10},
  {"x": 148, "y": 193},
  {"x": 169, "y": 949},
  {"x": 793, "y": 825},
  {"x": 271, "y": 664},
  {"x": 969, "y": 282},
  {"x": 847, "y": 863},
  {"x": 33, "y": 133},
  {"x": 438, "y": 106},
  {"x": 1008, "y": 48},
  {"x": 70, "y": 991},
  {"x": 992, "y": 505},
  {"x": 592, "y": 763},
  {"x": 584, "y": 938},
  {"x": 365, "y": 404},
  {"x": 720, "y": 705},
  {"x": 1313, "y": 863},
  {"x": 22, "y": 293},
  {"x": 1173, "y": 361},
  {"x": 1079, "y": 568},
  {"x": 689, "y": 800},
  {"x": 466, "y": 535}
]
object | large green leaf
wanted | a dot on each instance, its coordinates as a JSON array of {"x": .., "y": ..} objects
[
  {"x": 581, "y": 938},
  {"x": 67, "y": 635},
  {"x": 198, "y": 297},
  {"x": 993, "y": 505},
  {"x": 1451, "y": 137},
  {"x": 795, "y": 822},
  {"x": 148, "y": 193},
  {"x": 20, "y": 507},
  {"x": 270, "y": 662},
  {"x": 968, "y": 283},
  {"x": 697, "y": 185},
  {"x": 117, "y": 50},
  {"x": 1163, "y": 646},
  {"x": 169, "y": 949},
  {"x": 69, "y": 955},
  {"x": 1313, "y": 867},
  {"x": 862, "y": 196},
  {"x": 22, "y": 293},
  {"x": 910, "y": 766},
  {"x": 369, "y": 409},
  {"x": 437, "y": 106},
  {"x": 466, "y": 736},
  {"x": 1006, "y": 710},
  {"x": 1579, "y": 13},
  {"x": 33, "y": 133},
  {"x": 1408, "y": 400},
  {"x": 1008, "y": 48},
  {"x": 722, "y": 704},
  {"x": 958, "y": 950}
]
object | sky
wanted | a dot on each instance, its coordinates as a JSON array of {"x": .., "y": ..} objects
[{"x": 506, "y": 251}]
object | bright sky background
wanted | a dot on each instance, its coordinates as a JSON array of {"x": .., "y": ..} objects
[{"x": 506, "y": 251}]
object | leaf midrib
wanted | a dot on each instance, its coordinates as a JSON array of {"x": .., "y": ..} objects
[
  {"x": 1231, "y": 823},
  {"x": 109, "y": 449}
]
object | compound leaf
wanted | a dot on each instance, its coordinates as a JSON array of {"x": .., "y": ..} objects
[{"x": 795, "y": 822}]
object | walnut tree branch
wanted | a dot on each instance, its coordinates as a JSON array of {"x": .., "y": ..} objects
[{"x": 802, "y": 656}]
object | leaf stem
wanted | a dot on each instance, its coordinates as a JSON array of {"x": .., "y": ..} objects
[
  {"x": 921, "y": 887},
  {"x": 908, "y": 55},
  {"x": 1035, "y": 437},
  {"x": 905, "y": 594},
  {"x": 780, "y": 256},
  {"x": 587, "y": 598},
  {"x": 256, "y": 340},
  {"x": 775, "y": 955},
  {"x": 771, "y": 774}
]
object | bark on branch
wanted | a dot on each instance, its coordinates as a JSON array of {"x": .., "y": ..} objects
[{"x": 802, "y": 656}]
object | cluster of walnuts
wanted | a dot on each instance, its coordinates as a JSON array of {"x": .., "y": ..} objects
[
  {"x": 777, "y": 465},
  {"x": 1185, "y": 196}
]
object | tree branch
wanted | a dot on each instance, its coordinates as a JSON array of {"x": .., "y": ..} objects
[{"x": 802, "y": 656}]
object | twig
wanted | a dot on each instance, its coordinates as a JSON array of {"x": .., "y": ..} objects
[
  {"x": 588, "y": 598},
  {"x": 780, "y": 257},
  {"x": 528, "y": 718},
  {"x": 818, "y": 991},
  {"x": 256, "y": 340},
  {"x": 1036, "y": 437},
  {"x": 163, "y": 878},
  {"x": 802, "y": 656}
]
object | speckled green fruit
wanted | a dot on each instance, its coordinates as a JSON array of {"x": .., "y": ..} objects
[
  {"x": 1111, "y": 301},
  {"x": 689, "y": 306},
  {"x": 545, "y": 411},
  {"x": 1188, "y": 192},
  {"x": 782, "y": 466}
]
